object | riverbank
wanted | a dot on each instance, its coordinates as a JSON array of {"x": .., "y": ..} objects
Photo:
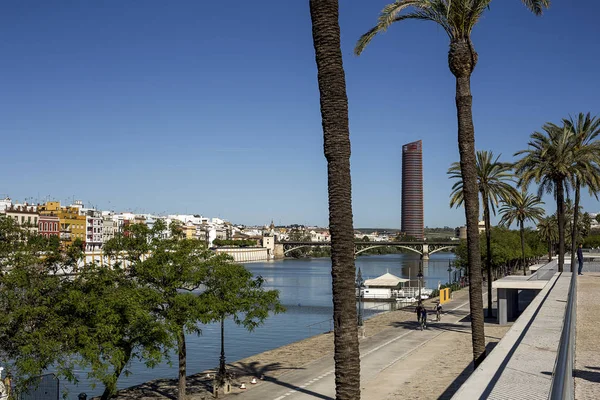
[{"x": 273, "y": 363}]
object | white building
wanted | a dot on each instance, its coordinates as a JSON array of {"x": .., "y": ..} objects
[
  {"x": 4, "y": 204},
  {"x": 94, "y": 223}
]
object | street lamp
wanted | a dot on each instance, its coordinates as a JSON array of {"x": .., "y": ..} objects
[
  {"x": 359, "y": 285},
  {"x": 449, "y": 272},
  {"x": 420, "y": 277}
]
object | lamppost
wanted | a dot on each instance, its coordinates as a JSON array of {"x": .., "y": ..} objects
[
  {"x": 449, "y": 272},
  {"x": 360, "y": 285},
  {"x": 419, "y": 277}
]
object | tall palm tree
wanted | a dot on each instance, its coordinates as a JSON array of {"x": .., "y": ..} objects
[
  {"x": 586, "y": 172},
  {"x": 492, "y": 181},
  {"x": 548, "y": 230},
  {"x": 521, "y": 207},
  {"x": 548, "y": 162},
  {"x": 336, "y": 133},
  {"x": 457, "y": 18}
]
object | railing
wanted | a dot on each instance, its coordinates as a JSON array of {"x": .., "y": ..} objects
[{"x": 563, "y": 385}]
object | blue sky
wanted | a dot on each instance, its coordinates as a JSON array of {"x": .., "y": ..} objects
[{"x": 210, "y": 108}]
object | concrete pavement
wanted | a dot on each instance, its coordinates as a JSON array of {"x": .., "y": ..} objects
[
  {"x": 379, "y": 352},
  {"x": 587, "y": 350}
]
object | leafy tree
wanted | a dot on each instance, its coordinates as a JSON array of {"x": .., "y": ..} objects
[
  {"x": 548, "y": 162},
  {"x": 457, "y": 18},
  {"x": 521, "y": 207},
  {"x": 548, "y": 231},
  {"x": 232, "y": 291},
  {"x": 115, "y": 323},
  {"x": 492, "y": 182},
  {"x": 336, "y": 133},
  {"x": 586, "y": 172}
]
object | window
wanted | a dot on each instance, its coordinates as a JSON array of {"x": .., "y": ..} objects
[
  {"x": 35, "y": 220},
  {"x": 29, "y": 220},
  {"x": 55, "y": 226},
  {"x": 22, "y": 219}
]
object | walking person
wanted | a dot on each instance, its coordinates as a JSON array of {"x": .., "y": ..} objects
[
  {"x": 580, "y": 258},
  {"x": 418, "y": 310},
  {"x": 423, "y": 318}
]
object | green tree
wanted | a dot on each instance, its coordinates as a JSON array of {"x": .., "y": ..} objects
[
  {"x": 493, "y": 179},
  {"x": 173, "y": 268},
  {"x": 586, "y": 158},
  {"x": 548, "y": 162},
  {"x": 232, "y": 291},
  {"x": 521, "y": 207},
  {"x": 336, "y": 133},
  {"x": 457, "y": 18},
  {"x": 548, "y": 230},
  {"x": 115, "y": 321}
]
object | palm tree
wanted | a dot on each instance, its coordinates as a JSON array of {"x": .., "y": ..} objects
[
  {"x": 586, "y": 158},
  {"x": 457, "y": 18},
  {"x": 548, "y": 230},
  {"x": 492, "y": 180},
  {"x": 336, "y": 133},
  {"x": 521, "y": 207},
  {"x": 548, "y": 162}
]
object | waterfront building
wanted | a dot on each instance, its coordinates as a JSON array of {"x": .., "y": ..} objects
[
  {"x": 72, "y": 225},
  {"x": 108, "y": 227},
  {"x": 4, "y": 204},
  {"x": 412, "y": 190},
  {"x": 460, "y": 232},
  {"x": 49, "y": 225},
  {"x": 24, "y": 215}
]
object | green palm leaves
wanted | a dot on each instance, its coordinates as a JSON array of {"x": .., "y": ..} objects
[
  {"x": 493, "y": 178},
  {"x": 456, "y": 17},
  {"x": 520, "y": 208}
]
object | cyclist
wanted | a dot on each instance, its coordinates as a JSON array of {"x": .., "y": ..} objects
[
  {"x": 423, "y": 318},
  {"x": 438, "y": 311}
]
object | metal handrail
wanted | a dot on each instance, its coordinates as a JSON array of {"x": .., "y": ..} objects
[{"x": 563, "y": 384}]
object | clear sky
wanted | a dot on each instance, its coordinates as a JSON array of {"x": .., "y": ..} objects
[{"x": 212, "y": 107}]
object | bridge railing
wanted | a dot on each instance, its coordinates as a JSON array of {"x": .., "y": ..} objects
[{"x": 563, "y": 383}]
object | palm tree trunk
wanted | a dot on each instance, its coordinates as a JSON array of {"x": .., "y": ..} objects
[
  {"x": 334, "y": 113},
  {"x": 182, "y": 361},
  {"x": 488, "y": 258},
  {"x": 462, "y": 59},
  {"x": 522, "y": 231},
  {"x": 560, "y": 212},
  {"x": 574, "y": 230}
]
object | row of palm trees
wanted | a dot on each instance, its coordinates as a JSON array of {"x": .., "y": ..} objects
[{"x": 457, "y": 18}]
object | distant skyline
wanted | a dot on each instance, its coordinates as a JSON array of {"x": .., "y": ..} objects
[{"x": 206, "y": 108}]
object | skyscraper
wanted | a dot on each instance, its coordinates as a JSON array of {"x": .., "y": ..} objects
[{"x": 412, "y": 189}]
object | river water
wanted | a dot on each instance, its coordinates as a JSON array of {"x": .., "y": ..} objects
[{"x": 305, "y": 290}]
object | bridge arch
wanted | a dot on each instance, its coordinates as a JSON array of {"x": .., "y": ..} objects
[
  {"x": 441, "y": 248},
  {"x": 386, "y": 245},
  {"x": 300, "y": 247}
]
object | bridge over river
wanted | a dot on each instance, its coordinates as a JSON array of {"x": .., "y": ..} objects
[{"x": 424, "y": 249}]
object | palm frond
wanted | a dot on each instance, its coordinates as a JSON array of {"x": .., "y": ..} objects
[{"x": 536, "y": 6}]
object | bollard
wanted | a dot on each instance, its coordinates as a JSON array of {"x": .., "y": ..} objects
[{"x": 82, "y": 396}]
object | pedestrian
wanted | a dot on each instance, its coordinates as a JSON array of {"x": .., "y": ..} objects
[
  {"x": 418, "y": 310},
  {"x": 424, "y": 317},
  {"x": 580, "y": 258}
]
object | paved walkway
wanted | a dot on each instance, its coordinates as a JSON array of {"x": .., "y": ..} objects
[
  {"x": 378, "y": 354},
  {"x": 587, "y": 354}
]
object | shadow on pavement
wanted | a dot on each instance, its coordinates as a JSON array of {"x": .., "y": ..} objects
[
  {"x": 462, "y": 378},
  {"x": 591, "y": 376}
]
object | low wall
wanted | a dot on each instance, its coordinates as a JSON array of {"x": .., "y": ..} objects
[{"x": 245, "y": 254}]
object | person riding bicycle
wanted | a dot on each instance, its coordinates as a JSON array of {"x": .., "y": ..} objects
[
  {"x": 424, "y": 317},
  {"x": 438, "y": 310}
]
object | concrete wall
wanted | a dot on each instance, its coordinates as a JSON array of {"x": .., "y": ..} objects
[{"x": 246, "y": 254}]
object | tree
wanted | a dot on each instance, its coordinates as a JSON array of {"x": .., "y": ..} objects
[
  {"x": 521, "y": 207},
  {"x": 334, "y": 113},
  {"x": 457, "y": 18},
  {"x": 115, "y": 321},
  {"x": 232, "y": 291},
  {"x": 548, "y": 230},
  {"x": 586, "y": 158},
  {"x": 173, "y": 268},
  {"x": 548, "y": 162},
  {"x": 492, "y": 182}
]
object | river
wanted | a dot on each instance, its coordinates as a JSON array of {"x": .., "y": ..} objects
[{"x": 305, "y": 290}]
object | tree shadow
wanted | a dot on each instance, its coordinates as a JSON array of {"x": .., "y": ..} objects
[
  {"x": 463, "y": 376},
  {"x": 257, "y": 369},
  {"x": 591, "y": 376}
]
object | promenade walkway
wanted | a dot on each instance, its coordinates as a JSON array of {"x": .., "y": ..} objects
[
  {"x": 382, "y": 374},
  {"x": 587, "y": 351}
]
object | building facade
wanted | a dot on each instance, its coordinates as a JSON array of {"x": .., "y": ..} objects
[
  {"x": 49, "y": 225},
  {"x": 412, "y": 190},
  {"x": 93, "y": 230},
  {"x": 24, "y": 215}
]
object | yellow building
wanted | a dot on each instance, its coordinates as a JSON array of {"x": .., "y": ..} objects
[{"x": 72, "y": 225}]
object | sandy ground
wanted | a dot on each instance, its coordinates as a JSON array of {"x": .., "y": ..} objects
[
  {"x": 587, "y": 355},
  {"x": 432, "y": 370}
]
